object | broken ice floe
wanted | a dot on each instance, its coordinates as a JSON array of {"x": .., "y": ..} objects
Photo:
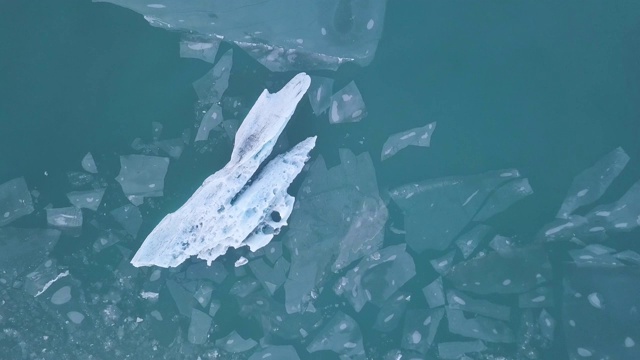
[
  {"x": 88, "y": 164},
  {"x": 320, "y": 94},
  {"x": 211, "y": 119},
  {"x": 65, "y": 218},
  {"x": 591, "y": 183},
  {"x": 340, "y": 218},
  {"x": 342, "y": 336},
  {"x": 129, "y": 217},
  {"x": 89, "y": 199},
  {"x": 347, "y": 105},
  {"x": 600, "y": 314},
  {"x": 214, "y": 83},
  {"x": 15, "y": 200},
  {"x": 283, "y": 35},
  {"x": 437, "y": 210},
  {"x": 420, "y": 329},
  {"x": 420, "y": 136},
  {"x": 142, "y": 175},
  {"x": 224, "y": 212}
]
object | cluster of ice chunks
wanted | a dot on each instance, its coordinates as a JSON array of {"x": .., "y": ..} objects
[
  {"x": 601, "y": 221},
  {"x": 340, "y": 219},
  {"x": 436, "y": 211},
  {"x": 282, "y": 35}
]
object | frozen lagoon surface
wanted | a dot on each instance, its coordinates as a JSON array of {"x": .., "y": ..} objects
[{"x": 509, "y": 231}]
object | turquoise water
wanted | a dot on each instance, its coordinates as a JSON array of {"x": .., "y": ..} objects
[{"x": 545, "y": 87}]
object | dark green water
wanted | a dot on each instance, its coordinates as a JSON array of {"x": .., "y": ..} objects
[{"x": 545, "y": 87}]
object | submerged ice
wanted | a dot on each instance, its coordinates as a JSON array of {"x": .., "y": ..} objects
[{"x": 228, "y": 210}]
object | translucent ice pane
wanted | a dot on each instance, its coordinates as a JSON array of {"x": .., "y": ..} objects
[
  {"x": 39, "y": 280},
  {"x": 129, "y": 217},
  {"x": 88, "y": 164},
  {"x": 210, "y": 120},
  {"x": 203, "y": 294},
  {"x": 203, "y": 48},
  {"x": 276, "y": 352},
  {"x": 469, "y": 241},
  {"x": 591, "y": 183},
  {"x": 283, "y": 35},
  {"x": 503, "y": 197},
  {"x": 536, "y": 298},
  {"x": 347, "y": 105},
  {"x": 547, "y": 324},
  {"x": 201, "y": 271},
  {"x": 320, "y": 94},
  {"x": 340, "y": 335},
  {"x": 444, "y": 263},
  {"x": 244, "y": 287},
  {"x": 68, "y": 217},
  {"x": 15, "y": 200},
  {"x": 591, "y": 255},
  {"x": 25, "y": 249},
  {"x": 420, "y": 329},
  {"x": 629, "y": 256},
  {"x": 420, "y": 136},
  {"x": 599, "y": 312},
  {"x": 142, "y": 175},
  {"x": 437, "y": 210},
  {"x": 271, "y": 278},
  {"x": 620, "y": 216},
  {"x": 183, "y": 298},
  {"x": 390, "y": 313},
  {"x": 89, "y": 199},
  {"x": 478, "y": 327},
  {"x": 234, "y": 343},
  {"x": 214, "y": 83},
  {"x": 456, "y": 349},
  {"x": 198, "y": 332},
  {"x": 434, "y": 293},
  {"x": 104, "y": 241},
  {"x": 172, "y": 147},
  {"x": 459, "y": 300},
  {"x": 493, "y": 273},
  {"x": 377, "y": 277}
]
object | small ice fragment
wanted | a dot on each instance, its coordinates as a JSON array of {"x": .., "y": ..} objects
[
  {"x": 129, "y": 217},
  {"x": 234, "y": 343},
  {"x": 211, "y": 119},
  {"x": 479, "y": 327},
  {"x": 457, "y": 349},
  {"x": 241, "y": 261},
  {"x": 65, "y": 218},
  {"x": 591, "y": 183},
  {"x": 547, "y": 324},
  {"x": 75, "y": 317},
  {"x": 15, "y": 200},
  {"x": 343, "y": 111},
  {"x": 198, "y": 332},
  {"x": 320, "y": 94},
  {"x": 204, "y": 49},
  {"x": 340, "y": 335},
  {"x": 214, "y": 83},
  {"x": 595, "y": 300},
  {"x": 443, "y": 264},
  {"x": 89, "y": 199},
  {"x": 434, "y": 293},
  {"x": 138, "y": 172},
  {"x": 420, "y": 136},
  {"x": 629, "y": 342},
  {"x": 88, "y": 164},
  {"x": 61, "y": 296}
]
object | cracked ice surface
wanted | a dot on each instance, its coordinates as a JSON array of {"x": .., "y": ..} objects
[
  {"x": 282, "y": 35},
  {"x": 224, "y": 212}
]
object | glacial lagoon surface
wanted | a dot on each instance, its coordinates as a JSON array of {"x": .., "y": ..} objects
[{"x": 356, "y": 179}]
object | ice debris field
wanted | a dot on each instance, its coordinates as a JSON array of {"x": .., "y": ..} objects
[{"x": 304, "y": 251}]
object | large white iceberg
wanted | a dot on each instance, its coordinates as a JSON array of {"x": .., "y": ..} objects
[{"x": 233, "y": 208}]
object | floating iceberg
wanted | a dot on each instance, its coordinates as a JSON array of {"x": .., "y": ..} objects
[
  {"x": 231, "y": 209},
  {"x": 283, "y": 35}
]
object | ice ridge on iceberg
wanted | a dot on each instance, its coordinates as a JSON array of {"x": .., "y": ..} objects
[{"x": 229, "y": 210}]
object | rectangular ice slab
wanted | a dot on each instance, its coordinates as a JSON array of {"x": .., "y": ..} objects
[
  {"x": 228, "y": 210},
  {"x": 15, "y": 200}
]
